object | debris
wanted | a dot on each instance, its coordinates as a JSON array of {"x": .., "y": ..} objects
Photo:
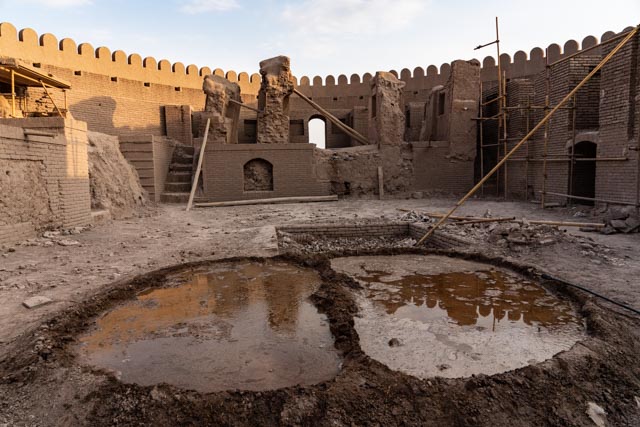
[
  {"x": 37, "y": 301},
  {"x": 68, "y": 242},
  {"x": 597, "y": 414}
]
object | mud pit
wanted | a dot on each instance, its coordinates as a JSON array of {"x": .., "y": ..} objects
[
  {"x": 439, "y": 316},
  {"x": 42, "y": 376},
  {"x": 245, "y": 325}
]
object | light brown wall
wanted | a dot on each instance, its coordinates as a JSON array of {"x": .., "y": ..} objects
[{"x": 44, "y": 180}]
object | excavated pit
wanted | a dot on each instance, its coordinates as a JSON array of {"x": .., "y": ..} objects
[
  {"x": 47, "y": 365},
  {"x": 440, "y": 316},
  {"x": 244, "y": 325}
]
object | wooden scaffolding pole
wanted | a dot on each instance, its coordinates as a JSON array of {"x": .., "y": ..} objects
[
  {"x": 194, "y": 185},
  {"x": 573, "y": 146},
  {"x": 547, "y": 89},
  {"x": 531, "y": 133},
  {"x": 481, "y": 137}
]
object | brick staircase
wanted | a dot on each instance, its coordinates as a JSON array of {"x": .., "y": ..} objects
[{"x": 178, "y": 184}]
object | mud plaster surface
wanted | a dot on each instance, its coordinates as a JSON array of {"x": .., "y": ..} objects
[
  {"x": 434, "y": 341},
  {"x": 604, "y": 369}
]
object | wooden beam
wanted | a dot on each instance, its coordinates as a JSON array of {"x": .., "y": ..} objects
[
  {"x": 197, "y": 177},
  {"x": 273, "y": 201},
  {"x": 333, "y": 119}
]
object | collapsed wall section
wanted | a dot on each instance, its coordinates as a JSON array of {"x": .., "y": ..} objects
[{"x": 44, "y": 179}]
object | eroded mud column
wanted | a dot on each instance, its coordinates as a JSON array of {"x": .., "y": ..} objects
[
  {"x": 387, "y": 121},
  {"x": 273, "y": 101},
  {"x": 224, "y": 114}
]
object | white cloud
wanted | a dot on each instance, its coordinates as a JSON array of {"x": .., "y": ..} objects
[
  {"x": 355, "y": 17},
  {"x": 203, "y": 6},
  {"x": 61, "y": 3},
  {"x": 324, "y": 27}
]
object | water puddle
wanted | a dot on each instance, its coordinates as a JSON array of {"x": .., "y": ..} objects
[
  {"x": 245, "y": 325},
  {"x": 437, "y": 316}
]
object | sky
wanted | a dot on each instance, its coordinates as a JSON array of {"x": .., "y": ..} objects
[{"x": 322, "y": 37}]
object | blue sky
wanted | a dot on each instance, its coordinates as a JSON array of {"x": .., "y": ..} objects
[{"x": 321, "y": 36}]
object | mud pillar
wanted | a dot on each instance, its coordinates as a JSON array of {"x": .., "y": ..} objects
[
  {"x": 224, "y": 114},
  {"x": 463, "y": 90},
  {"x": 386, "y": 110},
  {"x": 273, "y": 101}
]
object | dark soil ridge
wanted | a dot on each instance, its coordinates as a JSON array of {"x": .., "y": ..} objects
[{"x": 604, "y": 368}]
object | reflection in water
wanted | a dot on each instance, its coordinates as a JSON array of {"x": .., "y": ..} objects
[
  {"x": 486, "y": 299},
  {"x": 246, "y": 325},
  {"x": 455, "y": 318}
]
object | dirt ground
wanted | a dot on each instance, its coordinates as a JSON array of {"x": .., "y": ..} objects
[{"x": 87, "y": 272}]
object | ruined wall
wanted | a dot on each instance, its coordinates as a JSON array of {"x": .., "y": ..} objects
[
  {"x": 354, "y": 171},
  {"x": 44, "y": 179}
]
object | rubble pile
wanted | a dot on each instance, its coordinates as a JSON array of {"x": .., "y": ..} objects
[
  {"x": 621, "y": 220},
  {"x": 308, "y": 244}
]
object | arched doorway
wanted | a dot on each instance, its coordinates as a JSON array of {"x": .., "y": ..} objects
[
  {"x": 318, "y": 131},
  {"x": 583, "y": 177}
]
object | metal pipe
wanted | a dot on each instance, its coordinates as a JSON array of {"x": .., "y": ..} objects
[
  {"x": 530, "y": 134},
  {"x": 593, "y": 199}
]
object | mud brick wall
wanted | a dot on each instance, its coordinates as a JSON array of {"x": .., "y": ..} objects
[
  {"x": 150, "y": 156},
  {"x": 435, "y": 170},
  {"x": 178, "y": 123},
  {"x": 619, "y": 122},
  {"x": 44, "y": 180},
  {"x": 132, "y": 90},
  {"x": 294, "y": 171}
]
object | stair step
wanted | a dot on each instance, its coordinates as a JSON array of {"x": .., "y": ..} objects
[
  {"x": 174, "y": 197},
  {"x": 179, "y": 177},
  {"x": 181, "y": 167},
  {"x": 182, "y": 160},
  {"x": 177, "y": 187}
]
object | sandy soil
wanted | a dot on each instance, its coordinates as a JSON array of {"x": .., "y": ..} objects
[{"x": 75, "y": 271}]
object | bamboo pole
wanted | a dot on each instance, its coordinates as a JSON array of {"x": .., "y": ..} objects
[
  {"x": 593, "y": 199},
  {"x": 481, "y": 138},
  {"x": 573, "y": 145},
  {"x": 194, "y": 185},
  {"x": 484, "y": 220},
  {"x": 346, "y": 129},
  {"x": 505, "y": 140},
  {"x": 546, "y": 129},
  {"x": 526, "y": 165},
  {"x": 500, "y": 105},
  {"x": 531, "y": 133},
  {"x": 272, "y": 201},
  {"x": 467, "y": 219}
]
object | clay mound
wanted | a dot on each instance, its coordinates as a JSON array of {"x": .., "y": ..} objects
[{"x": 115, "y": 185}]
